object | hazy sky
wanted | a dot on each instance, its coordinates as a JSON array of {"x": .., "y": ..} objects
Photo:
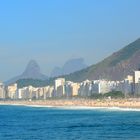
[{"x": 53, "y": 31}]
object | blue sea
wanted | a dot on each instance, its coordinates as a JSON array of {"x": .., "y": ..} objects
[{"x": 48, "y": 123}]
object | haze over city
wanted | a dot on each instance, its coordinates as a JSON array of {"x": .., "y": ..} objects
[
  {"x": 70, "y": 69},
  {"x": 52, "y": 32}
]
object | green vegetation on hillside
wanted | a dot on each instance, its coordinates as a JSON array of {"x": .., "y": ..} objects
[
  {"x": 109, "y": 62},
  {"x": 126, "y": 52},
  {"x": 33, "y": 82}
]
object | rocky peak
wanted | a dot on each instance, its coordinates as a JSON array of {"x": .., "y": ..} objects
[
  {"x": 32, "y": 68},
  {"x": 32, "y": 71}
]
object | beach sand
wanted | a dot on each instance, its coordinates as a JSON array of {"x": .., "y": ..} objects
[{"x": 122, "y": 103}]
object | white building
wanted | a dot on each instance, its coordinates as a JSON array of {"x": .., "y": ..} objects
[
  {"x": 85, "y": 88},
  {"x": 59, "y": 82},
  {"x": 136, "y": 76},
  {"x": 101, "y": 86},
  {"x": 59, "y": 87},
  {"x": 2, "y": 91},
  {"x": 136, "y": 81},
  {"x": 23, "y": 93},
  {"x": 48, "y": 91}
]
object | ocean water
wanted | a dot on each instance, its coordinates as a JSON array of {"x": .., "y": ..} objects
[{"x": 40, "y": 123}]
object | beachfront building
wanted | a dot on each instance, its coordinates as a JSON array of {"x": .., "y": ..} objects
[
  {"x": 136, "y": 80},
  {"x": 85, "y": 88},
  {"x": 101, "y": 86},
  {"x": 48, "y": 91},
  {"x": 128, "y": 86},
  {"x": 71, "y": 89},
  {"x": 75, "y": 88},
  {"x": 12, "y": 91},
  {"x": 137, "y": 89},
  {"x": 33, "y": 92},
  {"x": 136, "y": 76},
  {"x": 2, "y": 91},
  {"x": 40, "y": 93},
  {"x": 59, "y": 82},
  {"x": 89, "y": 88},
  {"x": 23, "y": 93},
  {"x": 28, "y": 93},
  {"x": 95, "y": 87},
  {"x": 59, "y": 87},
  {"x": 104, "y": 86},
  {"x": 68, "y": 89},
  {"x": 119, "y": 86}
]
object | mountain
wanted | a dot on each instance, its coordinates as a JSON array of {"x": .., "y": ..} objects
[
  {"x": 115, "y": 67},
  {"x": 70, "y": 66},
  {"x": 32, "y": 71},
  {"x": 57, "y": 71}
]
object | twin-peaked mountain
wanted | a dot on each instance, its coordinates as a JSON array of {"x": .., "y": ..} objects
[
  {"x": 32, "y": 74},
  {"x": 32, "y": 71},
  {"x": 115, "y": 67}
]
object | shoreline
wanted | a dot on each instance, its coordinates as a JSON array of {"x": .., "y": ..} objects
[{"x": 79, "y": 103}]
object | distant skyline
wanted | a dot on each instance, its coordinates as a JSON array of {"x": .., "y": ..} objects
[{"x": 54, "y": 31}]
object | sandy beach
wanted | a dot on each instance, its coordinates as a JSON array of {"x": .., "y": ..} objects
[{"x": 122, "y": 103}]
